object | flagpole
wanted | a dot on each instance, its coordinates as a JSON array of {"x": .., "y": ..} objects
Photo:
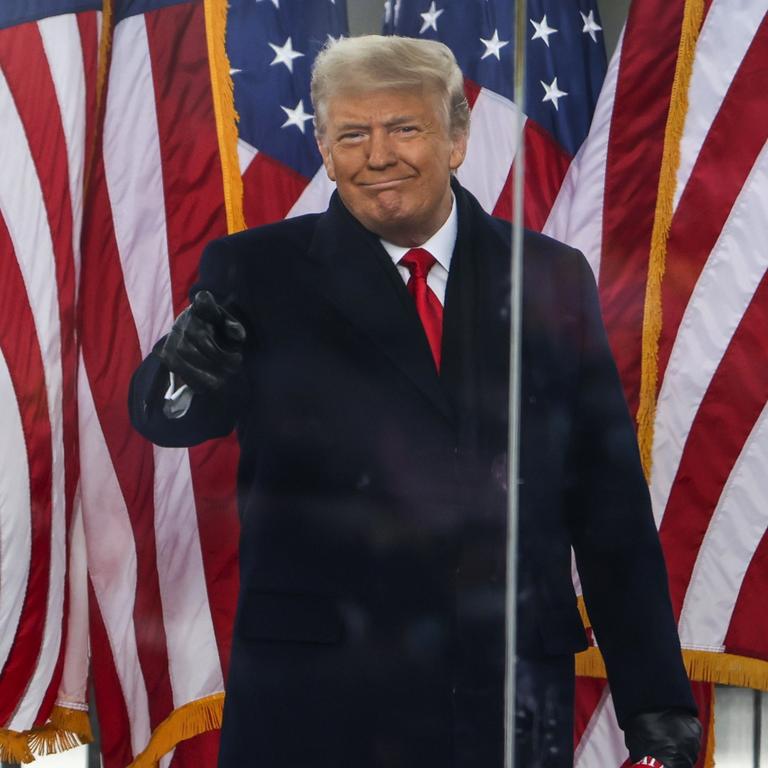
[{"x": 515, "y": 340}]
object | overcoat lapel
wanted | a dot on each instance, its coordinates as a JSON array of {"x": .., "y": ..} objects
[
  {"x": 476, "y": 327},
  {"x": 354, "y": 272}
]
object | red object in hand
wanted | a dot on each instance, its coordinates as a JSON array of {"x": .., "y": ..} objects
[{"x": 648, "y": 761}]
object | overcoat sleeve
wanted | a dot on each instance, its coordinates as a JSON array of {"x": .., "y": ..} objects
[
  {"x": 614, "y": 536},
  {"x": 210, "y": 415}
]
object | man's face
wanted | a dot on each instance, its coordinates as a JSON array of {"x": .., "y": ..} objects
[{"x": 391, "y": 156}]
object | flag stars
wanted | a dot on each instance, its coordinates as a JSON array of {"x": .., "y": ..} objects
[
  {"x": 552, "y": 92},
  {"x": 590, "y": 25},
  {"x": 284, "y": 54},
  {"x": 296, "y": 116},
  {"x": 543, "y": 30},
  {"x": 493, "y": 46},
  {"x": 430, "y": 18}
]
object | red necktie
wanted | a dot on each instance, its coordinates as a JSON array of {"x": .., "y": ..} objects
[{"x": 419, "y": 262}]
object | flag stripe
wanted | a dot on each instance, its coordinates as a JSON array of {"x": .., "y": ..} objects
[
  {"x": 271, "y": 190},
  {"x": 546, "y": 164},
  {"x": 177, "y": 48},
  {"x": 705, "y": 467},
  {"x": 494, "y": 124},
  {"x": 739, "y": 131},
  {"x": 25, "y": 217},
  {"x": 577, "y": 219},
  {"x": 635, "y": 147},
  {"x": 111, "y": 353},
  {"x": 22, "y": 635},
  {"x": 133, "y": 171},
  {"x": 113, "y": 578},
  {"x": 722, "y": 294},
  {"x": 725, "y": 37},
  {"x": 115, "y": 735},
  {"x": 738, "y": 525},
  {"x": 51, "y": 113},
  {"x": 749, "y": 624}
]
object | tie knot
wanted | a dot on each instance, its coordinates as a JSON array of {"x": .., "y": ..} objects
[{"x": 418, "y": 262}]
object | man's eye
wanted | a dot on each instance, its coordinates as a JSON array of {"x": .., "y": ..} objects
[
  {"x": 406, "y": 129},
  {"x": 351, "y": 136}
]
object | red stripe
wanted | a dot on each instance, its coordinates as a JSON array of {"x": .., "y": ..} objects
[
  {"x": 748, "y": 629},
  {"x": 21, "y": 350},
  {"x": 471, "y": 91},
  {"x": 589, "y": 693},
  {"x": 111, "y": 353},
  {"x": 733, "y": 143},
  {"x": 192, "y": 181},
  {"x": 24, "y": 63},
  {"x": 200, "y": 751},
  {"x": 546, "y": 163},
  {"x": 270, "y": 190},
  {"x": 89, "y": 41},
  {"x": 647, "y": 68},
  {"x": 115, "y": 731},
  {"x": 190, "y": 158},
  {"x": 711, "y": 450}
]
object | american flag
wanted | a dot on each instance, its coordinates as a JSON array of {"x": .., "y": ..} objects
[
  {"x": 48, "y": 56},
  {"x": 670, "y": 204},
  {"x": 272, "y": 45},
  {"x": 160, "y": 524},
  {"x": 565, "y": 66}
]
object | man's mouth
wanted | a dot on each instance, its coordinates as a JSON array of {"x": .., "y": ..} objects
[{"x": 377, "y": 186}]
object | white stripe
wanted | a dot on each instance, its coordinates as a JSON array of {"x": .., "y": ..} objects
[
  {"x": 15, "y": 514},
  {"x": 133, "y": 170},
  {"x": 602, "y": 743},
  {"x": 576, "y": 217},
  {"x": 720, "y": 297},
  {"x": 193, "y": 655},
  {"x": 27, "y": 222},
  {"x": 315, "y": 195},
  {"x": 245, "y": 154},
  {"x": 491, "y": 149},
  {"x": 737, "y": 527},
  {"x": 726, "y": 35},
  {"x": 63, "y": 48},
  {"x": 111, "y": 561},
  {"x": 134, "y": 178}
]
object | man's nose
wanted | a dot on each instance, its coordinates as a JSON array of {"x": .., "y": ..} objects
[{"x": 381, "y": 150}]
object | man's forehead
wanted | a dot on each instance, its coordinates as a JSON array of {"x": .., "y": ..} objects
[{"x": 386, "y": 105}]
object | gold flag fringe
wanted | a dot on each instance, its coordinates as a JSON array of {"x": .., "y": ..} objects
[
  {"x": 66, "y": 729},
  {"x": 693, "y": 15},
  {"x": 704, "y": 666},
  {"x": 223, "y": 93},
  {"x": 183, "y": 723}
]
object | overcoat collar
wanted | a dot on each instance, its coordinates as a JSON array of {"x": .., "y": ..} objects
[{"x": 354, "y": 272}]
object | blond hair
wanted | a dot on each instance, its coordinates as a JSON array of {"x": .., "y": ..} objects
[{"x": 376, "y": 63}]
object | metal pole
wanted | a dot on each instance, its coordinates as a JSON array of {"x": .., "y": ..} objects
[
  {"x": 757, "y": 729},
  {"x": 513, "y": 451}
]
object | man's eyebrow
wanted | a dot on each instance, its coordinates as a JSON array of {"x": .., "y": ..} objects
[{"x": 396, "y": 120}]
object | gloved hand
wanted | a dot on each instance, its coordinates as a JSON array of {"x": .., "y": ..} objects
[
  {"x": 205, "y": 344},
  {"x": 672, "y": 736}
]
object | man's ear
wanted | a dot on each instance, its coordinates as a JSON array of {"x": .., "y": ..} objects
[
  {"x": 458, "y": 149},
  {"x": 327, "y": 158}
]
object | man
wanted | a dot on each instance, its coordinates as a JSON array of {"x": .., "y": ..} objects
[{"x": 362, "y": 356}]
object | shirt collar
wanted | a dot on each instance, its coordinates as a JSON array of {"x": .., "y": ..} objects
[{"x": 440, "y": 245}]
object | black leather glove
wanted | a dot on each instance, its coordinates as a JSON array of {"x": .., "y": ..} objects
[
  {"x": 672, "y": 736},
  {"x": 205, "y": 344}
]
